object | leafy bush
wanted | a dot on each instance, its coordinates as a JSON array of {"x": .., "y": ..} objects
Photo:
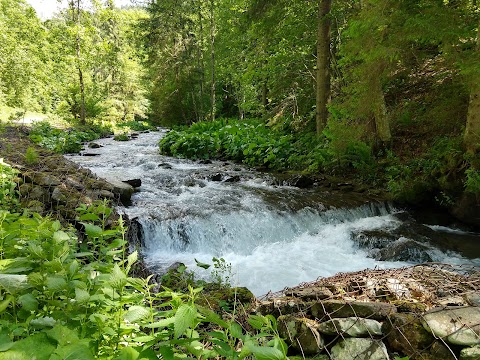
[
  {"x": 255, "y": 144},
  {"x": 136, "y": 125},
  {"x": 434, "y": 172},
  {"x": 64, "y": 141}
]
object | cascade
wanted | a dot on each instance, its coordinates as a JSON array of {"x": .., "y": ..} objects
[{"x": 272, "y": 235}]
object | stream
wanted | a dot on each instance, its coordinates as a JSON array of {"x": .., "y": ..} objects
[{"x": 271, "y": 234}]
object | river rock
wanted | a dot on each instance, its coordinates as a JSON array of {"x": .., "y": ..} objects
[
  {"x": 359, "y": 349},
  {"x": 133, "y": 182},
  {"x": 215, "y": 177},
  {"x": 352, "y": 326},
  {"x": 473, "y": 298},
  {"x": 60, "y": 194},
  {"x": 232, "y": 179},
  {"x": 406, "y": 335},
  {"x": 43, "y": 179},
  {"x": 125, "y": 191},
  {"x": 404, "y": 249},
  {"x": 470, "y": 353},
  {"x": 93, "y": 145},
  {"x": 311, "y": 293},
  {"x": 35, "y": 192},
  {"x": 284, "y": 306},
  {"x": 467, "y": 209},
  {"x": 301, "y": 334},
  {"x": 458, "y": 326},
  {"x": 344, "y": 309},
  {"x": 165, "y": 166},
  {"x": 301, "y": 181}
]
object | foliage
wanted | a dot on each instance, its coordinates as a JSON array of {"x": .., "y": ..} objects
[
  {"x": 8, "y": 195},
  {"x": 121, "y": 137},
  {"x": 255, "y": 144},
  {"x": 434, "y": 172},
  {"x": 67, "y": 297},
  {"x": 31, "y": 156},
  {"x": 136, "y": 125},
  {"x": 64, "y": 141},
  {"x": 472, "y": 181}
]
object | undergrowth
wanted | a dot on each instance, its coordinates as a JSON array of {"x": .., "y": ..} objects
[
  {"x": 65, "y": 297},
  {"x": 255, "y": 144}
]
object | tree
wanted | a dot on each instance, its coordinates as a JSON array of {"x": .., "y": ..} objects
[
  {"x": 472, "y": 129},
  {"x": 323, "y": 64},
  {"x": 75, "y": 12}
]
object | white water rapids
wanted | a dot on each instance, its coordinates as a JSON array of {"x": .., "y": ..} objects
[{"x": 273, "y": 236}]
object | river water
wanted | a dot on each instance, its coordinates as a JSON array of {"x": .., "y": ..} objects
[{"x": 271, "y": 235}]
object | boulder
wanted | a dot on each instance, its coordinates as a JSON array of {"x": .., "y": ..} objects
[
  {"x": 352, "y": 326},
  {"x": 301, "y": 181},
  {"x": 404, "y": 249},
  {"x": 60, "y": 194},
  {"x": 467, "y": 209},
  {"x": 44, "y": 179},
  {"x": 93, "y": 145},
  {"x": 215, "y": 177},
  {"x": 35, "y": 192},
  {"x": 165, "y": 165},
  {"x": 133, "y": 182},
  {"x": 458, "y": 326},
  {"x": 406, "y": 335},
  {"x": 301, "y": 334},
  {"x": 232, "y": 179},
  {"x": 359, "y": 349},
  {"x": 284, "y": 306},
  {"x": 473, "y": 298},
  {"x": 124, "y": 191},
  {"x": 310, "y": 293},
  {"x": 470, "y": 353},
  {"x": 343, "y": 309}
]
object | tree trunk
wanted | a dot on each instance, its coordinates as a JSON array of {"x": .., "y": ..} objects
[
  {"x": 212, "y": 54},
  {"x": 200, "y": 64},
  {"x": 323, "y": 64},
  {"x": 76, "y": 21},
  {"x": 472, "y": 129},
  {"x": 382, "y": 123}
]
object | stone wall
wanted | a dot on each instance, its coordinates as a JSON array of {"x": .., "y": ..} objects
[{"x": 422, "y": 312}]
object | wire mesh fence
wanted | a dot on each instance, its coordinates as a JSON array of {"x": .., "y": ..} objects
[{"x": 427, "y": 311}]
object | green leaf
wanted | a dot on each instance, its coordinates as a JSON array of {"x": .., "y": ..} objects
[
  {"x": 62, "y": 335},
  {"x": 128, "y": 353},
  {"x": 256, "y": 321},
  {"x": 266, "y": 353},
  {"x": 43, "y": 322},
  {"x": 15, "y": 266},
  {"x": 13, "y": 283},
  {"x": 236, "y": 331},
  {"x": 161, "y": 324},
  {"x": 202, "y": 265},
  {"x": 56, "y": 225},
  {"x": 137, "y": 313},
  {"x": 5, "y": 303},
  {"x": 132, "y": 259},
  {"x": 28, "y": 302},
  {"x": 118, "y": 278},
  {"x": 82, "y": 296},
  {"x": 60, "y": 236},
  {"x": 56, "y": 283},
  {"x": 89, "y": 217},
  {"x": 92, "y": 231},
  {"x": 36, "y": 346},
  {"x": 184, "y": 318},
  {"x": 78, "y": 351}
]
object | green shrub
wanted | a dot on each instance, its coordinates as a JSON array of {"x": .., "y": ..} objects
[
  {"x": 255, "y": 144},
  {"x": 472, "y": 181},
  {"x": 65, "y": 141},
  {"x": 31, "y": 156}
]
